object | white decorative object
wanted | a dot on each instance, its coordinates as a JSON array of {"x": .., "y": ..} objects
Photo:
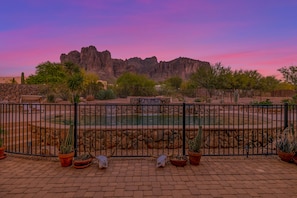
[
  {"x": 102, "y": 160},
  {"x": 161, "y": 161}
]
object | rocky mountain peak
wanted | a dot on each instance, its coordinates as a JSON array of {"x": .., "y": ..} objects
[{"x": 109, "y": 69}]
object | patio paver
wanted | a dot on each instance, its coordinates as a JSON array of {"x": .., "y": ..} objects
[{"x": 256, "y": 176}]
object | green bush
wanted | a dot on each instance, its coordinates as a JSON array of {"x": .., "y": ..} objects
[
  {"x": 109, "y": 94},
  {"x": 105, "y": 95},
  {"x": 131, "y": 84},
  {"x": 291, "y": 101},
  {"x": 265, "y": 102}
]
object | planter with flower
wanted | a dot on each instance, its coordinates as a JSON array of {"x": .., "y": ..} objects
[
  {"x": 179, "y": 160},
  {"x": 194, "y": 151},
  {"x": 83, "y": 161}
]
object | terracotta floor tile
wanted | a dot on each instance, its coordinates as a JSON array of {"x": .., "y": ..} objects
[{"x": 214, "y": 177}]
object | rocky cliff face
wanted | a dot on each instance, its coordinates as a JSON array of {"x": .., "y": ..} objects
[{"x": 109, "y": 69}]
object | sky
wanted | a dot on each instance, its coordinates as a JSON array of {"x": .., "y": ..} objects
[{"x": 241, "y": 34}]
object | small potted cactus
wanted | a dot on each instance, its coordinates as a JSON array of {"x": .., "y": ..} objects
[
  {"x": 287, "y": 145},
  {"x": 66, "y": 153},
  {"x": 194, "y": 151}
]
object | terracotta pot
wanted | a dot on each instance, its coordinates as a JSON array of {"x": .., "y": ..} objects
[
  {"x": 81, "y": 166},
  {"x": 2, "y": 154},
  {"x": 66, "y": 159},
  {"x": 287, "y": 157},
  {"x": 194, "y": 157},
  {"x": 178, "y": 162},
  {"x": 79, "y": 163}
]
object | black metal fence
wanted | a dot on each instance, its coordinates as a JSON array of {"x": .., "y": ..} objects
[{"x": 128, "y": 130}]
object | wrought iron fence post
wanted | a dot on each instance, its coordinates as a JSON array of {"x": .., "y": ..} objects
[
  {"x": 184, "y": 129},
  {"x": 286, "y": 115},
  {"x": 75, "y": 129}
]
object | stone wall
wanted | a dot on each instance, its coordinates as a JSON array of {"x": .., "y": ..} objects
[
  {"x": 143, "y": 139},
  {"x": 11, "y": 92},
  {"x": 170, "y": 139}
]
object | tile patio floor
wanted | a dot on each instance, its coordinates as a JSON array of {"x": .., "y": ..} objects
[{"x": 258, "y": 176}]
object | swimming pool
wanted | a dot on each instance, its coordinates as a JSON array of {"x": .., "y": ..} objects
[{"x": 119, "y": 120}]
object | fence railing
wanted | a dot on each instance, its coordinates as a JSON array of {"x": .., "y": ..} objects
[{"x": 144, "y": 130}]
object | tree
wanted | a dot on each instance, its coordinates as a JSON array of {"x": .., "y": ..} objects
[
  {"x": 74, "y": 83},
  {"x": 217, "y": 77},
  {"x": 269, "y": 83},
  {"x": 213, "y": 77},
  {"x": 224, "y": 80},
  {"x": 247, "y": 80},
  {"x": 188, "y": 89},
  {"x": 254, "y": 79},
  {"x": 130, "y": 84},
  {"x": 48, "y": 73},
  {"x": 171, "y": 86},
  {"x": 174, "y": 82},
  {"x": 285, "y": 86},
  {"x": 74, "y": 80},
  {"x": 289, "y": 74},
  {"x": 91, "y": 83},
  {"x": 204, "y": 77},
  {"x": 62, "y": 79}
]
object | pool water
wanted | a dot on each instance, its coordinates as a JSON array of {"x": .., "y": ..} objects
[{"x": 144, "y": 120}]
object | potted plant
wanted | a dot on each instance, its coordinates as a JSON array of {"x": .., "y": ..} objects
[
  {"x": 194, "y": 151},
  {"x": 82, "y": 161},
  {"x": 66, "y": 148},
  {"x": 179, "y": 160},
  {"x": 287, "y": 144},
  {"x": 2, "y": 147}
]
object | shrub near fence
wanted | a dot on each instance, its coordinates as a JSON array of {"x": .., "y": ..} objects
[{"x": 129, "y": 130}]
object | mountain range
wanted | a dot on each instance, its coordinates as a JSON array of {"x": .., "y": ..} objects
[{"x": 109, "y": 69}]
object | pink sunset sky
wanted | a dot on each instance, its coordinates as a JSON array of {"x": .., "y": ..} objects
[{"x": 241, "y": 34}]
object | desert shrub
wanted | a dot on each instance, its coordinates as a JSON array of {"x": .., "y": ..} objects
[
  {"x": 265, "y": 102},
  {"x": 109, "y": 94},
  {"x": 90, "y": 98},
  {"x": 64, "y": 95},
  {"x": 130, "y": 84},
  {"x": 291, "y": 101},
  {"x": 100, "y": 95},
  {"x": 105, "y": 95}
]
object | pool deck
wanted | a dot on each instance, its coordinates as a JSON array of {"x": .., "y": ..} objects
[{"x": 256, "y": 176}]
